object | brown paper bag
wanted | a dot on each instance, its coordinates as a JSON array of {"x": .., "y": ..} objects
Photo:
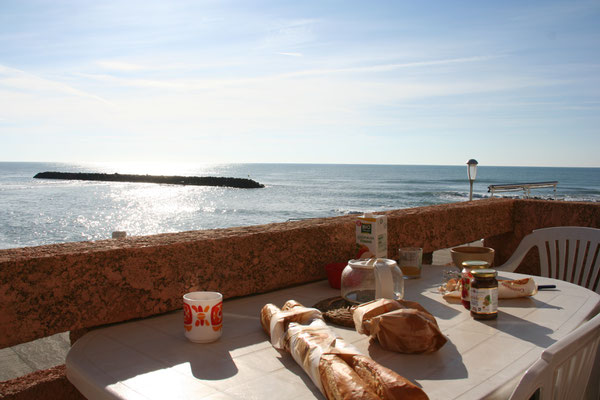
[{"x": 408, "y": 328}]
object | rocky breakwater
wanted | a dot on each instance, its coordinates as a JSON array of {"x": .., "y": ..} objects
[{"x": 242, "y": 183}]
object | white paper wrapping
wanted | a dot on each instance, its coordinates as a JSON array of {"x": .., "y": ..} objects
[
  {"x": 376, "y": 307},
  {"x": 319, "y": 339},
  {"x": 506, "y": 289},
  {"x": 307, "y": 338},
  {"x": 302, "y": 315}
]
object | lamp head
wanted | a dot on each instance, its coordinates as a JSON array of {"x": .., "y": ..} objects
[{"x": 472, "y": 170}]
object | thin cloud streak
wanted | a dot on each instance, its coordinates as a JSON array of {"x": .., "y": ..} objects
[
  {"x": 390, "y": 67},
  {"x": 120, "y": 66},
  {"x": 291, "y": 54},
  {"x": 282, "y": 85}
]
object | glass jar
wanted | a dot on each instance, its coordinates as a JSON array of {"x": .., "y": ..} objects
[
  {"x": 466, "y": 278},
  {"x": 366, "y": 280},
  {"x": 484, "y": 294}
]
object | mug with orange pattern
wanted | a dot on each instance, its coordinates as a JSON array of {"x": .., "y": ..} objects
[{"x": 203, "y": 316}]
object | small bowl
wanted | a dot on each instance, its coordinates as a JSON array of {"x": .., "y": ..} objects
[
  {"x": 472, "y": 253},
  {"x": 334, "y": 274}
]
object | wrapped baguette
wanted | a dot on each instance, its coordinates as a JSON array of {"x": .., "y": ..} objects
[
  {"x": 309, "y": 343},
  {"x": 266, "y": 314},
  {"x": 280, "y": 324},
  {"x": 341, "y": 381},
  {"x": 290, "y": 304},
  {"x": 516, "y": 288},
  {"x": 336, "y": 367},
  {"x": 387, "y": 384},
  {"x": 506, "y": 289},
  {"x": 399, "y": 325},
  {"x": 303, "y": 333}
]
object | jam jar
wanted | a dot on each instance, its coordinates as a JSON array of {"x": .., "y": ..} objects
[
  {"x": 466, "y": 278},
  {"x": 484, "y": 294}
]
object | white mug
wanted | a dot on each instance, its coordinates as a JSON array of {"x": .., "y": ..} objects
[{"x": 203, "y": 316}]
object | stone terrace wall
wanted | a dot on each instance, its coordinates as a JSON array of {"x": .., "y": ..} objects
[{"x": 49, "y": 384}]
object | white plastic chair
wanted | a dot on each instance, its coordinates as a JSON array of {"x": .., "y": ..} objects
[
  {"x": 569, "y": 253},
  {"x": 563, "y": 370}
]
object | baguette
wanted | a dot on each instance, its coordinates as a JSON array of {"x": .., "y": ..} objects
[
  {"x": 290, "y": 304},
  {"x": 279, "y": 322},
  {"x": 341, "y": 382},
  {"x": 266, "y": 314},
  {"x": 385, "y": 382}
]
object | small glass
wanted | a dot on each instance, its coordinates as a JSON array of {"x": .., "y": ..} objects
[{"x": 410, "y": 261}]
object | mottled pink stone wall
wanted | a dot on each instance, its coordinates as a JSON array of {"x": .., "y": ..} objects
[
  {"x": 49, "y": 384},
  {"x": 439, "y": 227}
]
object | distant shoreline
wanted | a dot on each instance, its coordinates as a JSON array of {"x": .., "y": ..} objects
[{"x": 241, "y": 183}]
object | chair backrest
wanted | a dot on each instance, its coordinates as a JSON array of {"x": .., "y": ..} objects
[
  {"x": 569, "y": 253},
  {"x": 563, "y": 370}
]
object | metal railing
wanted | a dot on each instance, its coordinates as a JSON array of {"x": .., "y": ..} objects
[{"x": 525, "y": 187}]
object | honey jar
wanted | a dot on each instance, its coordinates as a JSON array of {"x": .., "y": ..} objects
[
  {"x": 466, "y": 278},
  {"x": 484, "y": 294}
]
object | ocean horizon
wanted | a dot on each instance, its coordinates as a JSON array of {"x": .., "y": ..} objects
[{"x": 38, "y": 211}]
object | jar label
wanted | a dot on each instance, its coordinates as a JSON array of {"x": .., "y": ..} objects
[
  {"x": 484, "y": 300},
  {"x": 465, "y": 294}
]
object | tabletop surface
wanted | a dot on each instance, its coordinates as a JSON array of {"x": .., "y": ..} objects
[{"x": 152, "y": 359}]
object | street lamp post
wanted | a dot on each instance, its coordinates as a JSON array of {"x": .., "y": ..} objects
[{"x": 472, "y": 173}]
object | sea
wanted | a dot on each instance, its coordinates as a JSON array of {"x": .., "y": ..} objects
[{"x": 37, "y": 211}]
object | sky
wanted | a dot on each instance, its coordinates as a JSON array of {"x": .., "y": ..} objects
[{"x": 365, "y": 82}]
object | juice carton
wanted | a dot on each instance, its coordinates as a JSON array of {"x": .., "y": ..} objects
[{"x": 371, "y": 232}]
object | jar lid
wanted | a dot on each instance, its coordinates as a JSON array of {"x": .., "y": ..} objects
[
  {"x": 484, "y": 273},
  {"x": 475, "y": 264}
]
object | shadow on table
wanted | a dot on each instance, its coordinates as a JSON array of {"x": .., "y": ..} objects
[
  {"x": 215, "y": 362},
  {"x": 288, "y": 362},
  {"x": 526, "y": 302},
  {"x": 523, "y": 329},
  {"x": 218, "y": 366},
  {"x": 160, "y": 343},
  {"x": 444, "y": 364},
  {"x": 440, "y": 307}
]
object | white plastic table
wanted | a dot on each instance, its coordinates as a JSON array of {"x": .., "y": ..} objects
[{"x": 151, "y": 358}]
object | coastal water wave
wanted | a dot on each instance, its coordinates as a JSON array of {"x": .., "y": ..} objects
[{"x": 36, "y": 211}]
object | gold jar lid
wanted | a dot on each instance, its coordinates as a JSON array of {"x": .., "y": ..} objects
[
  {"x": 485, "y": 273},
  {"x": 475, "y": 264}
]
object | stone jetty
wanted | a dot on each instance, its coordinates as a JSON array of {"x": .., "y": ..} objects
[{"x": 242, "y": 183}]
